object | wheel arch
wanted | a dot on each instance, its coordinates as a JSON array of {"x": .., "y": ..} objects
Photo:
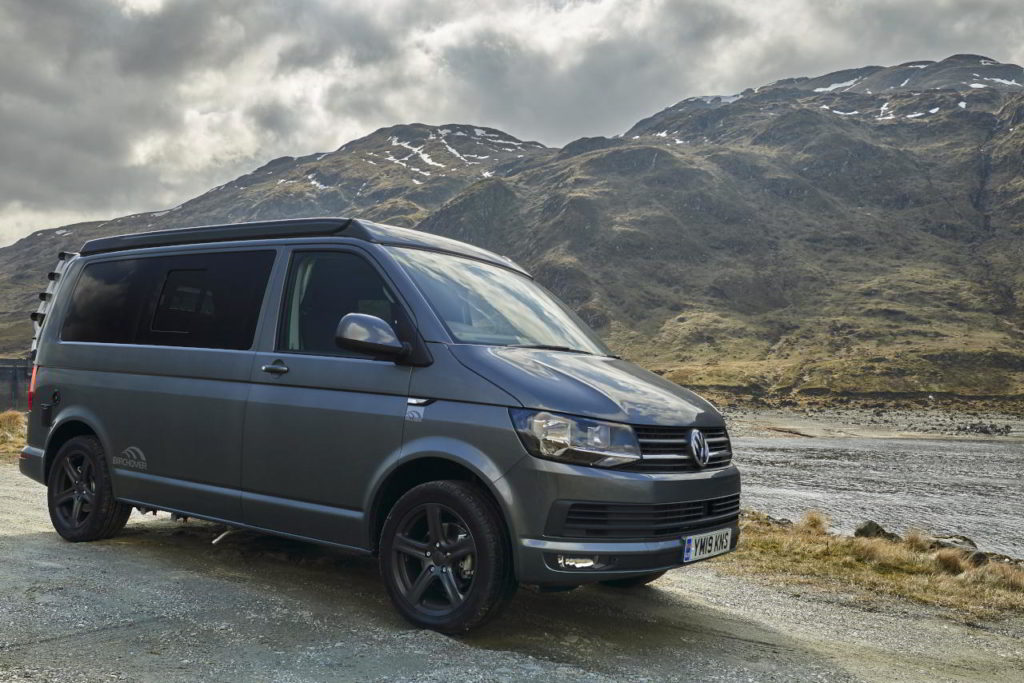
[
  {"x": 65, "y": 431},
  {"x": 421, "y": 470}
]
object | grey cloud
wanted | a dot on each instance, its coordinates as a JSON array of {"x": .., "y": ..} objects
[
  {"x": 204, "y": 90},
  {"x": 274, "y": 117},
  {"x": 613, "y": 81}
]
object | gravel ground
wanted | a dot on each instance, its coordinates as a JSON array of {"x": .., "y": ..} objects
[{"x": 160, "y": 603}]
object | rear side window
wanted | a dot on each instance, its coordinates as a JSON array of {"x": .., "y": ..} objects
[{"x": 195, "y": 300}]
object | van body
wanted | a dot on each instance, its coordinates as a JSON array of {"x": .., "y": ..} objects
[{"x": 376, "y": 389}]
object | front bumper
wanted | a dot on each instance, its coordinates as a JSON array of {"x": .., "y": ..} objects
[
  {"x": 536, "y": 485},
  {"x": 32, "y": 463},
  {"x": 618, "y": 559}
]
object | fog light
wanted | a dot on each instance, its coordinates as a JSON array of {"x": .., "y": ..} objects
[{"x": 568, "y": 562}]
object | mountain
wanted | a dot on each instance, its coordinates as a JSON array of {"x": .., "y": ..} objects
[{"x": 859, "y": 233}]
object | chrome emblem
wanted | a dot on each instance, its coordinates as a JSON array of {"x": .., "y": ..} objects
[{"x": 699, "y": 448}]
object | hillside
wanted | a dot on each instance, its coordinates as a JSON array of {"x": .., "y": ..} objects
[{"x": 860, "y": 232}]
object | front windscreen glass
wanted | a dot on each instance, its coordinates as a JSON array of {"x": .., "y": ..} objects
[{"x": 482, "y": 303}]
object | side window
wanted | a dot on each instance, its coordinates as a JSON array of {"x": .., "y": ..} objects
[
  {"x": 195, "y": 300},
  {"x": 322, "y": 288},
  {"x": 108, "y": 301}
]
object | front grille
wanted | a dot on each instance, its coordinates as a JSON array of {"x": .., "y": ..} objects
[
  {"x": 666, "y": 449},
  {"x": 627, "y": 520}
]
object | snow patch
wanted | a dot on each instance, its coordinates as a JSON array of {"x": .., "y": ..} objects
[
  {"x": 846, "y": 84},
  {"x": 844, "y": 113},
  {"x": 904, "y": 83},
  {"x": 315, "y": 183},
  {"x": 452, "y": 150},
  {"x": 915, "y": 115},
  {"x": 487, "y": 174},
  {"x": 933, "y": 111},
  {"x": 418, "y": 151},
  {"x": 962, "y": 105},
  {"x": 418, "y": 182},
  {"x": 1003, "y": 81},
  {"x": 978, "y": 85}
]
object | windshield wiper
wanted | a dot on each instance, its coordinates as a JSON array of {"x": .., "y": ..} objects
[{"x": 549, "y": 347}]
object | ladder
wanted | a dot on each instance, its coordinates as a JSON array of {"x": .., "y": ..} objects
[{"x": 46, "y": 298}]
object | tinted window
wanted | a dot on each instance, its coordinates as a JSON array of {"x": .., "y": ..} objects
[
  {"x": 322, "y": 288},
  {"x": 196, "y": 300}
]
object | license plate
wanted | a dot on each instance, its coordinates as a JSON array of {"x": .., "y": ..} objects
[{"x": 706, "y": 545}]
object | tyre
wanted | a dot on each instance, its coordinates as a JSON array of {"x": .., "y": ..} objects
[
  {"x": 444, "y": 557},
  {"x": 633, "y": 581},
  {"x": 79, "y": 493}
]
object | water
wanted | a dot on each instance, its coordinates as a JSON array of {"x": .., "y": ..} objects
[{"x": 974, "y": 488}]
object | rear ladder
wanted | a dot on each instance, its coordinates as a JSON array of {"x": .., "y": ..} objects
[{"x": 46, "y": 298}]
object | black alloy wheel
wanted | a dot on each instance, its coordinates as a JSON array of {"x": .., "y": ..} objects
[
  {"x": 433, "y": 557},
  {"x": 444, "y": 557},
  {"x": 75, "y": 496},
  {"x": 80, "y": 495}
]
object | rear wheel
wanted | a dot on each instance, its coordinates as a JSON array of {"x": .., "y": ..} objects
[
  {"x": 633, "y": 581},
  {"x": 79, "y": 493},
  {"x": 444, "y": 557}
]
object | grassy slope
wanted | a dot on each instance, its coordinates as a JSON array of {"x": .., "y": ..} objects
[
  {"x": 797, "y": 251},
  {"x": 766, "y": 247},
  {"x": 872, "y": 567}
]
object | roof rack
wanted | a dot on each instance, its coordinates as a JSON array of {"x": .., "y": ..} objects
[
  {"x": 298, "y": 227},
  {"x": 46, "y": 297},
  {"x": 280, "y": 229}
]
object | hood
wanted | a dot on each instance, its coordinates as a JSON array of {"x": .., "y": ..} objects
[{"x": 591, "y": 386}]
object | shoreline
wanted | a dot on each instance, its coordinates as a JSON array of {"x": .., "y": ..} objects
[{"x": 933, "y": 423}]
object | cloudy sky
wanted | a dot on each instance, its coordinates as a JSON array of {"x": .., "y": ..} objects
[{"x": 114, "y": 106}]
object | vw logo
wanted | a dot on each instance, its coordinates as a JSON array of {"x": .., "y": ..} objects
[{"x": 699, "y": 448}]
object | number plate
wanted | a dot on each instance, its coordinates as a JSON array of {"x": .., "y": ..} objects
[{"x": 706, "y": 545}]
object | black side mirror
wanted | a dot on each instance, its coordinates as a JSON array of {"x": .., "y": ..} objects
[{"x": 369, "y": 334}]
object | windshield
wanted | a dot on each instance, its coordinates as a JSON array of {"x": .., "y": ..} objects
[{"x": 484, "y": 304}]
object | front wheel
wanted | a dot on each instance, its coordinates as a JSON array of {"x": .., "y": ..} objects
[
  {"x": 79, "y": 493},
  {"x": 444, "y": 557},
  {"x": 633, "y": 581}
]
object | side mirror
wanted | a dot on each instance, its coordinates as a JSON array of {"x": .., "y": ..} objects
[{"x": 369, "y": 334}]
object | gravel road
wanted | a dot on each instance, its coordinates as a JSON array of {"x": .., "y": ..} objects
[{"x": 159, "y": 602}]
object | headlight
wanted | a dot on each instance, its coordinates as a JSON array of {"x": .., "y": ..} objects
[{"x": 575, "y": 440}]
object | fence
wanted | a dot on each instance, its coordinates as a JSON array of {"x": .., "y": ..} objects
[{"x": 14, "y": 377}]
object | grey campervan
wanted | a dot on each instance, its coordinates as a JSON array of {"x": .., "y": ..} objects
[{"x": 381, "y": 390}]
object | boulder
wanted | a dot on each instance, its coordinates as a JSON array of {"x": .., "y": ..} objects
[
  {"x": 872, "y": 529},
  {"x": 977, "y": 558}
]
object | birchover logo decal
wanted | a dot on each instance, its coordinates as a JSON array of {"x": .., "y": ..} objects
[{"x": 131, "y": 457}]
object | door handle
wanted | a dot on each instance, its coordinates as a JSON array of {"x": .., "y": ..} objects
[{"x": 276, "y": 368}]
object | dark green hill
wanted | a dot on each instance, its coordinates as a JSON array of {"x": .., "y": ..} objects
[{"x": 797, "y": 239}]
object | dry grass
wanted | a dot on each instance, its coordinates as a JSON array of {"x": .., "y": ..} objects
[
  {"x": 814, "y": 522},
  {"x": 12, "y": 433},
  {"x": 918, "y": 540},
  {"x": 873, "y": 567},
  {"x": 951, "y": 561}
]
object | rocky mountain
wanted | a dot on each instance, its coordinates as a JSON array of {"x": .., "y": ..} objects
[{"x": 857, "y": 233}]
